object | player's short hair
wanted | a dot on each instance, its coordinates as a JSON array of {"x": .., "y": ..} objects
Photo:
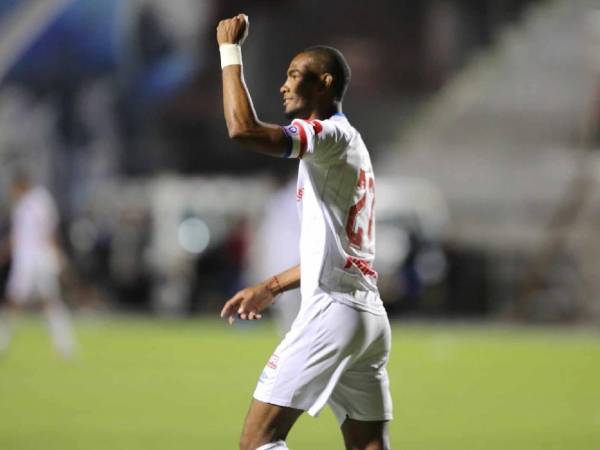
[{"x": 334, "y": 63}]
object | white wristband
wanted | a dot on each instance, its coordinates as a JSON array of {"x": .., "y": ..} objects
[{"x": 230, "y": 54}]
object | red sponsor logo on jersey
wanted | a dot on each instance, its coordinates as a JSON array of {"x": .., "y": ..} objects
[
  {"x": 272, "y": 364},
  {"x": 299, "y": 194},
  {"x": 362, "y": 265}
]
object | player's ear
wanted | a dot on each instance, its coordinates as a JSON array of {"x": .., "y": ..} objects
[{"x": 326, "y": 81}]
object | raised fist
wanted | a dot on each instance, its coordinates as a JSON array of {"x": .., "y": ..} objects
[{"x": 234, "y": 30}]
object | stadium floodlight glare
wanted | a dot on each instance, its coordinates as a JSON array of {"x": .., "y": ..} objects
[{"x": 193, "y": 235}]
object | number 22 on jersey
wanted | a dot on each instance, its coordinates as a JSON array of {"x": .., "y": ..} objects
[{"x": 359, "y": 227}]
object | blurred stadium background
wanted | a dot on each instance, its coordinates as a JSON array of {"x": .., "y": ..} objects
[{"x": 483, "y": 122}]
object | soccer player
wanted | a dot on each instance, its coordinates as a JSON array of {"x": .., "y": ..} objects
[
  {"x": 338, "y": 347},
  {"x": 35, "y": 263}
]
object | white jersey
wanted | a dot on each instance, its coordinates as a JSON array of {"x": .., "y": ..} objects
[
  {"x": 34, "y": 256},
  {"x": 336, "y": 200}
]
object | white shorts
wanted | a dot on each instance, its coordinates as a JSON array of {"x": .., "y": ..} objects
[
  {"x": 336, "y": 355},
  {"x": 34, "y": 280}
]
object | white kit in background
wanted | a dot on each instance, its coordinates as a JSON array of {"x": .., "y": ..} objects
[
  {"x": 35, "y": 267},
  {"x": 35, "y": 259}
]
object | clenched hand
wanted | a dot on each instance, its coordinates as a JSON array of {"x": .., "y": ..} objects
[{"x": 234, "y": 30}]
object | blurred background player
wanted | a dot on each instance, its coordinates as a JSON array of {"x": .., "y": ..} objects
[
  {"x": 337, "y": 350},
  {"x": 35, "y": 263}
]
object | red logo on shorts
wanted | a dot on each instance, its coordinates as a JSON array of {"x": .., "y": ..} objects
[
  {"x": 272, "y": 364},
  {"x": 299, "y": 194}
]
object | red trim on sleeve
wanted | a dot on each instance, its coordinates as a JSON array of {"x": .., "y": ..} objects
[
  {"x": 317, "y": 126},
  {"x": 303, "y": 140}
]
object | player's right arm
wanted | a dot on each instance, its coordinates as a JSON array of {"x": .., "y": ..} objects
[
  {"x": 242, "y": 122},
  {"x": 249, "y": 302}
]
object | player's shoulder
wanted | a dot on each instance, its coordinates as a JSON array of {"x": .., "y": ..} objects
[
  {"x": 335, "y": 126},
  {"x": 338, "y": 120},
  {"x": 39, "y": 194},
  {"x": 40, "y": 198},
  {"x": 341, "y": 124}
]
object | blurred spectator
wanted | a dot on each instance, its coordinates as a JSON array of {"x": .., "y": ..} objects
[
  {"x": 219, "y": 271},
  {"x": 129, "y": 272}
]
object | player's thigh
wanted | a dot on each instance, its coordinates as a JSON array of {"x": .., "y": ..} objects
[
  {"x": 267, "y": 423},
  {"x": 363, "y": 391},
  {"x": 361, "y": 435}
]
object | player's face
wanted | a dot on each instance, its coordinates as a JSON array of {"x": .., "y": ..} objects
[{"x": 301, "y": 88}]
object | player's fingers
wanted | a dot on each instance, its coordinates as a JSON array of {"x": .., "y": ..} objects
[
  {"x": 244, "y": 18},
  {"x": 230, "y": 313},
  {"x": 231, "y": 304},
  {"x": 244, "y": 308},
  {"x": 245, "y": 305},
  {"x": 247, "y": 312},
  {"x": 223, "y": 312},
  {"x": 226, "y": 309}
]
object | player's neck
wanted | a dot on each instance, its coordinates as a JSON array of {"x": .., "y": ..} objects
[{"x": 326, "y": 111}]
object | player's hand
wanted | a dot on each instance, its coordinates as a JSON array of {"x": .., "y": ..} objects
[
  {"x": 234, "y": 30},
  {"x": 248, "y": 303}
]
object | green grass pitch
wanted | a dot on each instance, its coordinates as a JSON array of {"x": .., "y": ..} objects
[{"x": 177, "y": 385}]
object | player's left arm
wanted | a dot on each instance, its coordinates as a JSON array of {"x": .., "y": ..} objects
[
  {"x": 243, "y": 124},
  {"x": 249, "y": 302}
]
